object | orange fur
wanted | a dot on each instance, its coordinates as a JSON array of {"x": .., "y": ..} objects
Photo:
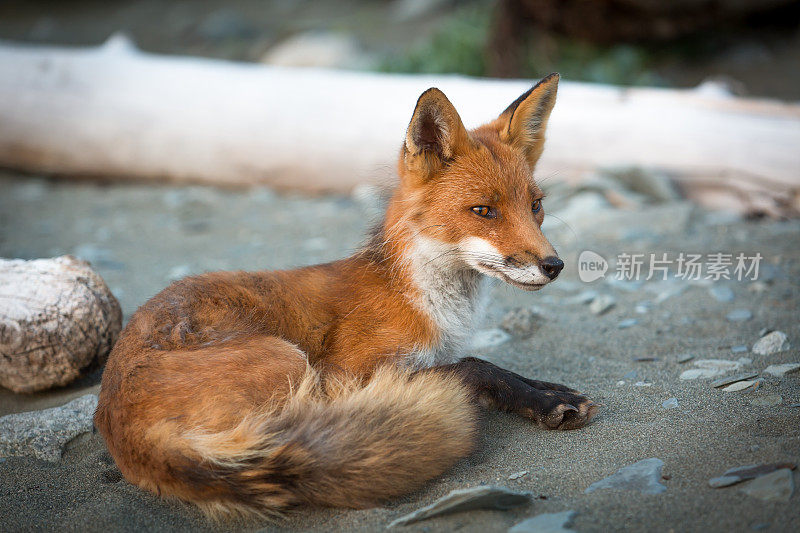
[{"x": 260, "y": 391}]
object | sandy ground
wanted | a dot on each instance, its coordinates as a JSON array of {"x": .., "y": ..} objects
[{"x": 139, "y": 238}]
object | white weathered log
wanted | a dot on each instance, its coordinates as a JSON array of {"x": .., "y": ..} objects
[
  {"x": 57, "y": 316},
  {"x": 117, "y": 112}
]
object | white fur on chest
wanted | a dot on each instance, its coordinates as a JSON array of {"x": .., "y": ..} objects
[{"x": 452, "y": 295}]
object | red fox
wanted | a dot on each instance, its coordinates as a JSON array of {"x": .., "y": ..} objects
[{"x": 341, "y": 384}]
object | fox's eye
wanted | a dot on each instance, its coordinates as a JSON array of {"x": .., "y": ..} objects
[
  {"x": 484, "y": 211},
  {"x": 537, "y": 206}
]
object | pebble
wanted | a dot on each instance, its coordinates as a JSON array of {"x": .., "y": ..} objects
[
  {"x": 742, "y": 348},
  {"x": 711, "y": 368},
  {"x": 733, "y": 379},
  {"x": 739, "y": 315},
  {"x": 517, "y": 475},
  {"x": 685, "y": 358},
  {"x": 602, "y": 304},
  {"x": 633, "y": 374},
  {"x": 488, "y": 338},
  {"x": 481, "y": 497},
  {"x": 43, "y": 434},
  {"x": 721, "y": 293},
  {"x": 770, "y": 400},
  {"x": 743, "y": 473},
  {"x": 771, "y": 343},
  {"x": 672, "y": 403},
  {"x": 782, "y": 370},
  {"x": 643, "y": 384},
  {"x": 546, "y": 523},
  {"x": 777, "y": 486},
  {"x": 645, "y": 359},
  {"x": 627, "y": 323},
  {"x": 522, "y": 321},
  {"x": 643, "y": 476},
  {"x": 740, "y": 386}
]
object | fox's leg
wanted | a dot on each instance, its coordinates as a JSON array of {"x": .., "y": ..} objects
[{"x": 550, "y": 405}]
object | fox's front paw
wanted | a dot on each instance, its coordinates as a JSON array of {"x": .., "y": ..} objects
[{"x": 556, "y": 409}]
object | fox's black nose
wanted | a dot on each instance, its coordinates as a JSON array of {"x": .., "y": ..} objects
[{"x": 551, "y": 266}]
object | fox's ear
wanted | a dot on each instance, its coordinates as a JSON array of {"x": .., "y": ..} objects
[
  {"x": 435, "y": 135},
  {"x": 523, "y": 123}
]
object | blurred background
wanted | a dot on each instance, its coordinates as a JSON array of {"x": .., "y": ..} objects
[{"x": 753, "y": 45}]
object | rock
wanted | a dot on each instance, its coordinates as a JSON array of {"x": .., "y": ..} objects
[
  {"x": 43, "y": 434},
  {"x": 740, "y": 386},
  {"x": 643, "y": 476},
  {"x": 721, "y": 293},
  {"x": 487, "y": 338},
  {"x": 483, "y": 497},
  {"x": 627, "y": 323},
  {"x": 782, "y": 370},
  {"x": 546, "y": 523},
  {"x": 602, "y": 304},
  {"x": 743, "y": 473},
  {"x": 643, "y": 384},
  {"x": 522, "y": 321},
  {"x": 777, "y": 486},
  {"x": 739, "y": 315},
  {"x": 672, "y": 403},
  {"x": 770, "y": 400},
  {"x": 739, "y": 349},
  {"x": 711, "y": 368},
  {"x": 733, "y": 379},
  {"x": 57, "y": 317},
  {"x": 684, "y": 358},
  {"x": 771, "y": 343},
  {"x": 517, "y": 475},
  {"x": 316, "y": 49}
]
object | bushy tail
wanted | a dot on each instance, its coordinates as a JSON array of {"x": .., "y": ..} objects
[{"x": 354, "y": 445}]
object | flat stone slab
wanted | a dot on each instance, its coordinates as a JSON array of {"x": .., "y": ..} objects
[
  {"x": 782, "y": 370},
  {"x": 459, "y": 500},
  {"x": 742, "y": 385},
  {"x": 711, "y": 368},
  {"x": 743, "y": 473},
  {"x": 43, "y": 434},
  {"x": 777, "y": 486},
  {"x": 733, "y": 379},
  {"x": 643, "y": 476},
  {"x": 546, "y": 523}
]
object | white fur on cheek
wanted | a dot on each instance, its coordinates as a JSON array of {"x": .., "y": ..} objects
[{"x": 482, "y": 255}]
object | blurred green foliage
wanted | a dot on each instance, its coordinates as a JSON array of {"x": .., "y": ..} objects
[{"x": 459, "y": 46}]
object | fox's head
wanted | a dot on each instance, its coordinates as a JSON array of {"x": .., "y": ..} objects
[{"x": 470, "y": 196}]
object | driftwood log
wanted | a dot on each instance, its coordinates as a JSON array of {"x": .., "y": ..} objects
[
  {"x": 114, "y": 112},
  {"x": 57, "y": 317}
]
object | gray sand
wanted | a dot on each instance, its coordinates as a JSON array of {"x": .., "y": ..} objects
[{"x": 139, "y": 237}]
